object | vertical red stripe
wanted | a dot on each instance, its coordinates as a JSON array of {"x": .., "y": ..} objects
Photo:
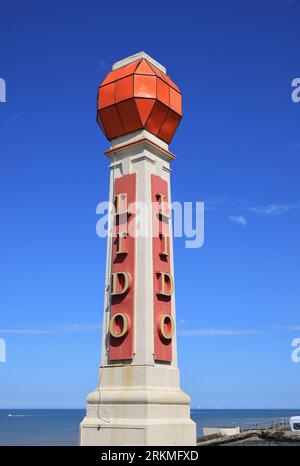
[
  {"x": 122, "y": 348},
  {"x": 161, "y": 263}
]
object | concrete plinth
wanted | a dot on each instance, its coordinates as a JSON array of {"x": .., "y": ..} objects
[{"x": 138, "y": 406}]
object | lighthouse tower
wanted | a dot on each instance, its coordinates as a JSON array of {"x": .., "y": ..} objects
[{"x": 138, "y": 400}]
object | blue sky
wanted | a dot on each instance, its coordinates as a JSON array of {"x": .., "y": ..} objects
[{"x": 238, "y": 150}]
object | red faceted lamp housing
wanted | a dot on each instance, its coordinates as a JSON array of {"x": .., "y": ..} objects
[{"x": 138, "y": 96}]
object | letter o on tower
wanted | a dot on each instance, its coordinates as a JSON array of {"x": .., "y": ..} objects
[
  {"x": 119, "y": 325},
  {"x": 166, "y": 327}
]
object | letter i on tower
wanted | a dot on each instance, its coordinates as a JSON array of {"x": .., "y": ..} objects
[{"x": 138, "y": 400}]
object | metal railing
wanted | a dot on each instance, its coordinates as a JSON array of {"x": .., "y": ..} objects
[{"x": 278, "y": 423}]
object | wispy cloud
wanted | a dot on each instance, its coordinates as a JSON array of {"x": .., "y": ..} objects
[
  {"x": 224, "y": 203},
  {"x": 199, "y": 332},
  {"x": 274, "y": 209},
  {"x": 295, "y": 328},
  {"x": 238, "y": 219},
  {"x": 77, "y": 328},
  {"x": 240, "y": 207},
  {"x": 67, "y": 328}
]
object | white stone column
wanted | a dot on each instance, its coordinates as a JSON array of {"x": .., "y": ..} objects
[{"x": 139, "y": 403}]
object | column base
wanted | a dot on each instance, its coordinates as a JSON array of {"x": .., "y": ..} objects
[
  {"x": 129, "y": 432},
  {"x": 136, "y": 415}
]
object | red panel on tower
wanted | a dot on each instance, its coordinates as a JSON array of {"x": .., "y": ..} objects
[
  {"x": 162, "y": 279},
  {"x": 123, "y": 272}
]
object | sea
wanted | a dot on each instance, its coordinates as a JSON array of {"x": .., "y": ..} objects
[{"x": 61, "y": 426}]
